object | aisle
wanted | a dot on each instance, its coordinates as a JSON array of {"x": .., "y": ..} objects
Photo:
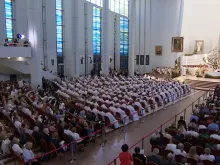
[{"x": 96, "y": 155}]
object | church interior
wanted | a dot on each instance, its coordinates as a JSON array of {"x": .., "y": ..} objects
[{"x": 109, "y": 82}]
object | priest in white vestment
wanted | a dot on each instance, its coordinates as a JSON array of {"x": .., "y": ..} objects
[
  {"x": 141, "y": 109},
  {"x": 134, "y": 113},
  {"x": 112, "y": 120}
]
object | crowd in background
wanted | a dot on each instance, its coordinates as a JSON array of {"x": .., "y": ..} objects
[
  {"x": 196, "y": 142},
  {"x": 61, "y": 112},
  {"x": 16, "y": 42}
]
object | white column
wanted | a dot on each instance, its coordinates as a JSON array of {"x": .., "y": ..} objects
[
  {"x": 34, "y": 12},
  {"x": 21, "y": 17},
  {"x": 117, "y": 42},
  {"x": 105, "y": 30},
  {"x": 79, "y": 36},
  {"x": 2, "y": 20},
  {"x": 51, "y": 51},
  {"x": 69, "y": 59},
  {"x": 132, "y": 27}
]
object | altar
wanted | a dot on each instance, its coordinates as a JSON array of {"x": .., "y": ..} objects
[{"x": 194, "y": 65}]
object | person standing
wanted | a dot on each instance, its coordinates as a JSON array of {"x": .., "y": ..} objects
[{"x": 125, "y": 157}]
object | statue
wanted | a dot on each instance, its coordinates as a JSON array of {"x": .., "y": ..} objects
[{"x": 199, "y": 46}]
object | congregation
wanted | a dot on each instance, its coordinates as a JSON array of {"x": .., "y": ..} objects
[
  {"x": 196, "y": 142},
  {"x": 65, "y": 111}
]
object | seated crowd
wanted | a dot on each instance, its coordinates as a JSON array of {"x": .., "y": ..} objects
[
  {"x": 197, "y": 142},
  {"x": 16, "y": 42},
  {"x": 66, "y": 111}
]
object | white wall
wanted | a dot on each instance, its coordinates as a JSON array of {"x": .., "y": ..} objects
[
  {"x": 4, "y": 77},
  {"x": 157, "y": 21},
  {"x": 201, "y": 22},
  {"x": 20, "y": 15},
  {"x": 19, "y": 66},
  {"x": 15, "y": 52},
  {"x": 165, "y": 24}
]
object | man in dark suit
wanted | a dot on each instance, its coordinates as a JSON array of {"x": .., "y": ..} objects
[
  {"x": 157, "y": 139},
  {"x": 170, "y": 160},
  {"x": 138, "y": 155},
  {"x": 182, "y": 122},
  {"x": 155, "y": 157},
  {"x": 37, "y": 135}
]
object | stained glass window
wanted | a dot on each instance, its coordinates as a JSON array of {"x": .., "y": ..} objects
[
  {"x": 124, "y": 43},
  {"x": 9, "y": 19},
  {"x": 119, "y": 6},
  {"x": 96, "y": 31},
  {"x": 96, "y": 2},
  {"x": 59, "y": 27},
  {"x": 96, "y": 39}
]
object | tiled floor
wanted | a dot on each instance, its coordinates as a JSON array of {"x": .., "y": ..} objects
[{"x": 96, "y": 155}]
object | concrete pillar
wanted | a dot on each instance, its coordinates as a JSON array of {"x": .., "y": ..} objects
[
  {"x": 132, "y": 27},
  {"x": 79, "y": 37},
  {"x": 105, "y": 30},
  {"x": 117, "y": 42},
  {"x": 50, "y": 47},
  {"x": 34, "y": 12},
  {"x": 69, "y": 60},
  {"x": 20, "y": 15}
]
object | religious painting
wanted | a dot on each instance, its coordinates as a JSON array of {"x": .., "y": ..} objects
[
  {"x": 158, "y": 50},
  {"x": 137, "y": 59},
  {"x": 141, "y": 59},
  {"x": 147, "y": 60},
  {"x": 199, "y": 45},
  {"x": 177, "y": 44}
]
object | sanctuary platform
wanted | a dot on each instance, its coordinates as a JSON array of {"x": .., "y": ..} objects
[{"x": 199, "y": 83}]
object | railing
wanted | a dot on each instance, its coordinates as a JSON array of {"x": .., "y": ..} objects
[
  {"x": 173, "y": 119},
  {"x": 73, "y": 144}
]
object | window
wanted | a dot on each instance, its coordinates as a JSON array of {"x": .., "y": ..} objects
[
  {"x": 9, "y": 19},
  {"x": 137, "y": 59},
  {"x": 124, "y": 43},
  {"x": 96, "y": 31},
  {"x": 59, "y": 27},
  {"x": 119, "y": 6},
  {"x": 97, "y": 38},
  {"x": 59, "y": 36},
  {"x": 96, "y": 2}
]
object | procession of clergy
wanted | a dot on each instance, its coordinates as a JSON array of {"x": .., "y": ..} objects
[{"x": 120, "y": 99}]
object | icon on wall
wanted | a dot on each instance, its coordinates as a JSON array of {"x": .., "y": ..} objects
[
  {"x": 147, "y": 60},
  {"x": 137, "y": 59},
  {"x": 199, "y": 45},
  {"x": 81, "y": 60},
  {"x": 158, "y": 50},
  {"x": 52, "y": 62},
  {"x": 177, "y": 44},
  {"x": 141, "y": 59},
  {"x": 90, "y": 60}
]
